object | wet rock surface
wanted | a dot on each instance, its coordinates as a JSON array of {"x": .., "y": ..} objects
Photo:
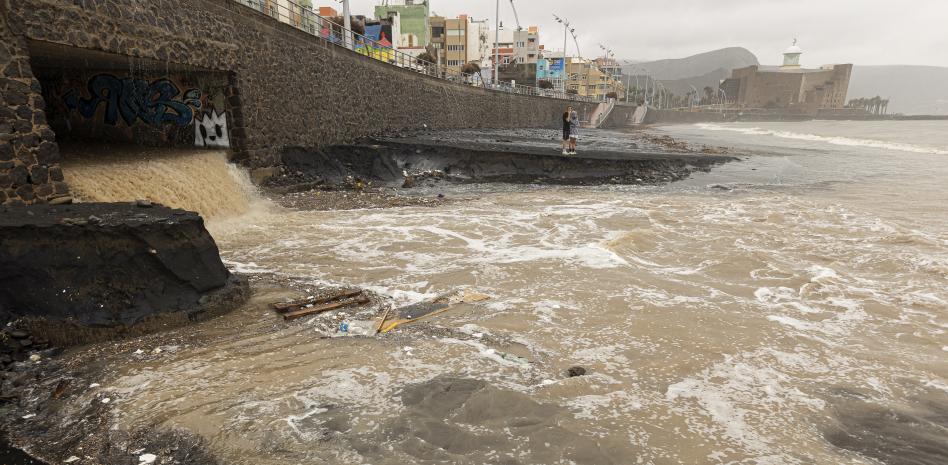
[
  {"x": 526, "y": 156},
  {"x": 74, "y": 273},
  {"x": 908, "y": 435},
  {"x": 436, "y": 425}
]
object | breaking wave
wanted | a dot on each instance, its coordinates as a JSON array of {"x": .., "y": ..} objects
[{"x": 833, "y": 140}]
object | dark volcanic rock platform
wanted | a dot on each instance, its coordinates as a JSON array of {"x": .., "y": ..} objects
[
  {"x": 84, "y": 272},
  {"x": 486, "y": 156}
]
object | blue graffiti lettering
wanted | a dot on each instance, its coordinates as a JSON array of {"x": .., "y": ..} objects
[{"x": 136, "y": 99}]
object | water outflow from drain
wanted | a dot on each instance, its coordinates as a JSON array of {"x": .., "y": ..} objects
[{"x": 201, "y": 181}]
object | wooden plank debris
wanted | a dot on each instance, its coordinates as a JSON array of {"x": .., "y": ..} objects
[
  {"x": 362, "y": 300},
  {"x": 284, "y": 307},
  {"x": 378, "y": 327},
  {"x": 438, "y": 306}
]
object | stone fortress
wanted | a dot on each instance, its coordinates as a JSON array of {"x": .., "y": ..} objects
[{"x": 789, "y": 87}]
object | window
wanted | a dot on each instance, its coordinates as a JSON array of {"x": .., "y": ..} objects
[
  {"x": 456, "y": 48},
  {"x": 437, "y": 31},
  {"x": 455, "y": 32}
]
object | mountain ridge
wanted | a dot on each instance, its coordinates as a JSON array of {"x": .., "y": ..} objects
[
  {"x": 911, "y": 89},
  {"x": 695, "y": 65}
]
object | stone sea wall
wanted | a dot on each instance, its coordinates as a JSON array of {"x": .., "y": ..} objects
[
  {"x": 287, "y": 89},
  {"x": 29, "y": 170}
]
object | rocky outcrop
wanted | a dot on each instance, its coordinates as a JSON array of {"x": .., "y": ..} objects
[
  {"x": 404, "y": 162},
  {"x": 77, "y": 273}
]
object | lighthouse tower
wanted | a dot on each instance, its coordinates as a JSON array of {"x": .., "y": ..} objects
[{"x": 791, "y": 57}]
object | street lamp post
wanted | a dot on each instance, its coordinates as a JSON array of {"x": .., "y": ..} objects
[
  {"x": 347, "y": 24},
  {"x": 647, "y": 94},
  {"x": 565, "y": 23},
  {"x": 497, "y": 46}
]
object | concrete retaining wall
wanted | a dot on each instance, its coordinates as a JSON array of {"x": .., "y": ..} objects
[
  {"x": 622, "y": 117},
  {"x": 655, "y": 116},
  {"x": 289, "y": 89}
]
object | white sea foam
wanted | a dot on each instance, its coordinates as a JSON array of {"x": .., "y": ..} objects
[
  {"x": 743, "y": 396},
  {"x": 843, "y": 141},
  {"x": 246, "y": 268}
]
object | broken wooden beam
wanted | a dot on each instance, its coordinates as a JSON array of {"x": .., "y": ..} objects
[
  {"x": 378, "y": 327},
  {"x": 325, "y": 308},
  {"x": 284, "y": 307}
]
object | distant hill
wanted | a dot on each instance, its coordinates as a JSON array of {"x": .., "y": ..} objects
[
  {"x": 696, "y": 65},
  {"x": 912, "y": 90},
  {"x": 682, "y": 86}
]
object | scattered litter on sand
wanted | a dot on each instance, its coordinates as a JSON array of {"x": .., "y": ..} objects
[
  {"x": 146, "y": 459},
  {"x": 355, "y": 328},
  {"x": 71, "y": 459}
]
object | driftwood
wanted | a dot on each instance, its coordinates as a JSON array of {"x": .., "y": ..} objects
[
  {"x": 285, "y": 307},
  {"x": 378, "y": 327},
  {"x": 325, "y": 308}
]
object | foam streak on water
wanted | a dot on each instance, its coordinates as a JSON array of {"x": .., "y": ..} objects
[{"x": 836, "y": 140}]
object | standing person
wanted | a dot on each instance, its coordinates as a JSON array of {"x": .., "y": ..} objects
[
  {"x": 573, "y": 130},
  {"x": 566, "y": 131}
]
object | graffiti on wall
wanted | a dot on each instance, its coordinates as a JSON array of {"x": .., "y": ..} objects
[
  {"x": 134, "y": 99},
  {"x": 211, "y": 130}
]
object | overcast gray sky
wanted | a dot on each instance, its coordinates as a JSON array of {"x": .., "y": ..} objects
[{"x": 867, "y": 32}]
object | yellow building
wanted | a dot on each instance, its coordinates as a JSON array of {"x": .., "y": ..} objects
[
  {"x": 450, "y": 40},
  {"x": 589, "y": 80}
]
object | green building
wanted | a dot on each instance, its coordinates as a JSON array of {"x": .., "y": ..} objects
[{"x": 413, "y": 16}]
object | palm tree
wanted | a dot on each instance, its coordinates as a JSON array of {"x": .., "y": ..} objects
[{"x": 708, "y": 94}]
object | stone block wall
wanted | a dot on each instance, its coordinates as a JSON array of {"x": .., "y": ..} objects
[
  {"x": 289, "y": 89},
  {"x": 29, "y": 170}
]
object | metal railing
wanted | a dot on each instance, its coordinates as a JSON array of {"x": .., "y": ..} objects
[{"x": 304, "y": 19}]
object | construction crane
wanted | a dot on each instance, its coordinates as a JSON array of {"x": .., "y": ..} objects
[{"x": 516, "y": 16}]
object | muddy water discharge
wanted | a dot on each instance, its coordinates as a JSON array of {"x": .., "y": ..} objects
[
  {"x": 201, "y": 181},
  {"x": 789, "y": 314}
]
